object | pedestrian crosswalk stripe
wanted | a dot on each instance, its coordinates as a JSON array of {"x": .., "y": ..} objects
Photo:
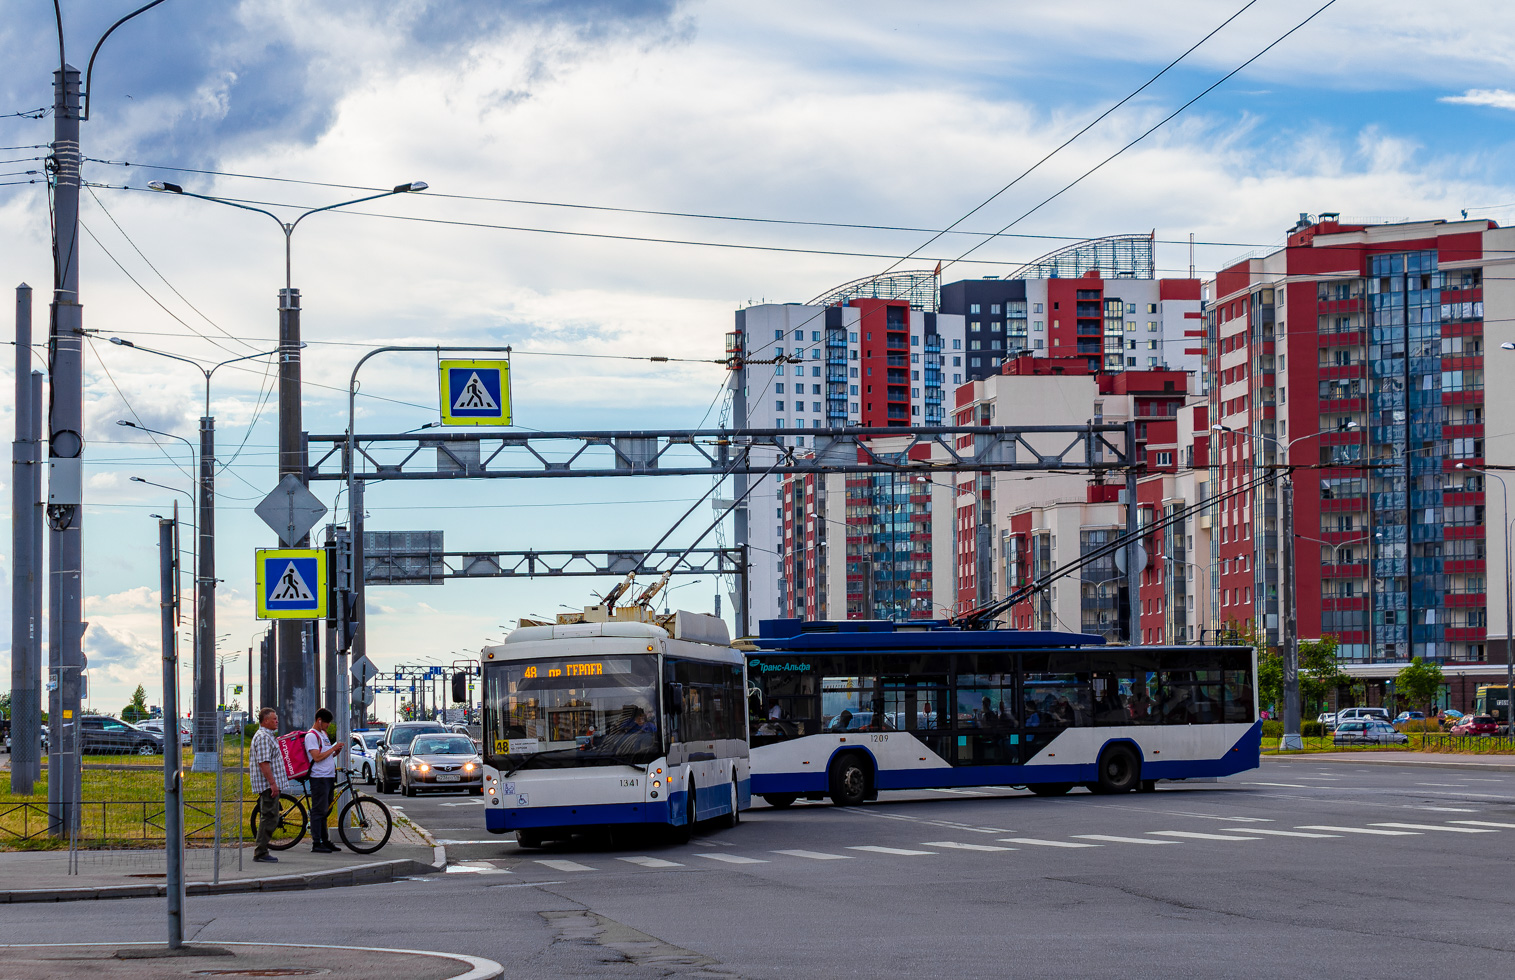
[
  {"x": 732, "y": 858},
  {"x": 651, "y": 862},
  {"x": 964, "y": 847},
  {"x": 1432, "y": 826},
  {"x": 887, "y": 850},
  {"x": 565, "y": 866},
  {"x": 1196, "y": 835},
  {"x": 1486, "y": 823},
  {"x": 1360, "y": 830},
  {"x": 1123, "y": 840},
  {"x": 1047, "y": 843},
  {"x": 817, "y": 855},
  {"x": 1275, "y": 833}
]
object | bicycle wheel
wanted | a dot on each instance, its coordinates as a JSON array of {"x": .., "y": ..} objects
[
  {"x": 365, "y": 824},
  {"x": 290, "y": 827}
]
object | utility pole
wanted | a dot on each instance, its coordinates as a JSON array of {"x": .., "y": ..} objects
[
  {"x": 26, "y": 558},
  {"x": 173, "y": 796},
  {"x": 206, "y": 738},
  {"x": 65, "y": 511},
  {"x": 1290, "y": 637},
  {"x": 1133, "y": 546},
  {"x": 296, "y": 678}
]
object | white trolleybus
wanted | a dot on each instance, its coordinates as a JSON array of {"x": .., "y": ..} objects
[
  {"x": 609, "y": 724},
  {"x": 846, "y": 709}
]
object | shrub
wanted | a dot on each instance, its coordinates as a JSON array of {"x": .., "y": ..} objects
[
  {"x": 1313, "y": 729},
  {"x": 1272, "y": 729}
]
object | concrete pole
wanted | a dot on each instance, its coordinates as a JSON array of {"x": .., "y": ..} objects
[
  {"x": 206, "y": 737},
  {"x": 65, "y": 460},
  {"x": 38, "y": 580},
  {"x": 1290, "y": 634},
  {"x": 1133, "y": 544},
  {"x": 26, "y": 654},
  {"x": 296, "y": 701},
  {"x": 173, "y": 796}
]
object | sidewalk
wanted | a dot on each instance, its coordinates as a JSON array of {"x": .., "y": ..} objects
[
  {"x": 42, "y": 876},
  {"x": 136, "y": 961},
  {"x": 1429, "y": 760}
]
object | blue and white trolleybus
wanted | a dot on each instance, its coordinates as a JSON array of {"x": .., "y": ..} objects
[{"x": 846, "y": 709}]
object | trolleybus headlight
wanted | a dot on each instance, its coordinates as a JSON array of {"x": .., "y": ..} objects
[
  {"x": 654, "y": 794},
  {"x": 656, "y": 784}
]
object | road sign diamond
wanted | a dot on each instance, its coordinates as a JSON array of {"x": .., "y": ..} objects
[{"x": 291, "y": 510}]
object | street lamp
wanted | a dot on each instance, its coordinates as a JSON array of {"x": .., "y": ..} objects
[
  {"x": 1509, "y": 590},
  {"x": 1289, "y": 634},
  {"x": 205, "y": 699},
  {"x": 296, "y": 681},
  {"x": 681, "y": 585}
]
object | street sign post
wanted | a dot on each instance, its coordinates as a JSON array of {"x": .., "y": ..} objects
[
  {"x": 291, "y": 510},
  {"x": 291, "y": 583},
  {"x": 474, "y": 392},
  {"x": 363, "y": 670}
]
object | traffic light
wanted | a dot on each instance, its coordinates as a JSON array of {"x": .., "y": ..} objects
[{"x": 460, "y": 687}]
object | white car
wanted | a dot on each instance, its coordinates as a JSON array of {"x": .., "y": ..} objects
[
  {"x": 155, "y": 725},
  {"x": 1363, "y": 714},
  {"x": 1327, "y": 718},
  {"x": 362, "y": 748}
]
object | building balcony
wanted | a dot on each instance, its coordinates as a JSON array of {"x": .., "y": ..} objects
[{"x": 1465, "y": 600}]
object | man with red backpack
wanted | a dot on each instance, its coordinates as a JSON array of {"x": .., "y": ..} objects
[{"x": 323, "y": 781}]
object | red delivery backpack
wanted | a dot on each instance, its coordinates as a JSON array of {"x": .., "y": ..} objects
[{"x": 292, "y": 751}]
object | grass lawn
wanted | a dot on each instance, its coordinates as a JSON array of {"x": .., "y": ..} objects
[{"x": 1419, "y": 742}]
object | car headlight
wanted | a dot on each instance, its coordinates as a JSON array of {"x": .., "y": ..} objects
[
  {"x": 420, "y": 766},
  {"x": 469, "y": 767}
]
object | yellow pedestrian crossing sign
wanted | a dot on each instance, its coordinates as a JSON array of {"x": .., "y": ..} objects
[
  {"x": 291, "y": 583},
  {"x": 475, "y": 392}
]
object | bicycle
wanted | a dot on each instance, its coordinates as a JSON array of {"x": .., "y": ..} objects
[{"x": 364, "y": 822}]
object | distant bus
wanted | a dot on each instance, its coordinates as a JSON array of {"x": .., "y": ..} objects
[
  {"x": 847, "y": 709},
  {"x": 1492, "y": 699},
  {"x": 613, "y": 724}
]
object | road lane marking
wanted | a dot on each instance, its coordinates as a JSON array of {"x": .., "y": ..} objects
[
  {"x": 564, "y": 865},
  {"x": 1485, "y": 823},
  {"x": 816, "y": 855},
  {"x": 1442, "y": 785},
  {"x": 1433, "y": 826},
  {"x": 651, "y": 862},
  {"x": 445, "y": 842},
  {"x": 964, "y": 847},
  {"x": 1281, "y": 785},
  {"x": 1445, "y": 809},
  {"x": 876, "y": 849},
  {"x": 1360, "y": 830},
  {"x": 1276, "y": 833},
  {"x": 1196, "y": 835},
  {"x": 1123, "y": 840},
  {"x": 732, "y": 858},
  {"x": 1047, "y": 843}
]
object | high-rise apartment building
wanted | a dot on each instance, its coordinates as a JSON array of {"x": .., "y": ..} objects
[{"x": 1354, "y": 355}]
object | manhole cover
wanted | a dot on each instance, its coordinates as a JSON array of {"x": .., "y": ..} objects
[{"x": 285, "y": 972}]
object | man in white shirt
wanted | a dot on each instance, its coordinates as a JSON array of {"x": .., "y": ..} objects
[{"x": 323, "y": 780}]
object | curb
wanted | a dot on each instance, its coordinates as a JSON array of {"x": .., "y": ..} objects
[
  {"x": 358, "y": 874},
  {"x": 1403, "y": 763},
  {"x": 478, "y": 967}
]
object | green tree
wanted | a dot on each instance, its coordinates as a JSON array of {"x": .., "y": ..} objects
[
  {"x": 136, "y": 710},
  {"x": 5, "y": 705},
  {"x": 1419, "y": 682},
  {"x": 1319, "y": 672},
  {"x": 1270, "y": 680}
]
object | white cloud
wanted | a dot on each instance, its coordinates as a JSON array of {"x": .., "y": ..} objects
[{"x": 1497, "y": 98}]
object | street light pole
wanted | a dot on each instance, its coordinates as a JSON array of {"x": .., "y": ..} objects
[
  {"x": 206, "y": 738},
  {"x": 296, "y": 681}
]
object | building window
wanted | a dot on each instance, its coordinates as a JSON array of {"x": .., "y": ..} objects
[
  {"x": 1130, "y": 307},
  {"x": 975, "y": 362},
  {"x": 1037, "y": 326},
  {"x": 972, "y": 307},
  {"x": 1039, "y": 344},
  {"x": 1130, "y": 326},
  {"x": 853, "y": 357},
  {"x": 915, "y": 358},
  {"x": 778, "y": 406},
  {"x": 974, "y": 326},
  {"x": 816, "y": 406},
  {"x": 778, "y": 424},
  {"x": 1151, "y": 345},
  {"x": 1130, "y": 362},
  {"x": 1151, "y": 307},
  {"x": 994, "y": 308},
  {"x": 994, "y": 362},
  {"x": 915, "y": 410},
  {"x": 957, "y": 361},
  {"x": 815, "y": 335},
  {"x": 957, "y": 344},
  {"x": 976, "y": 345},
  {"x": 1038, "y": 308},
  {"x": 957, "y": 379},
  {"x": 853, "y": 391},
  {"x": 815, "y": 372},
  {"x": 915, "y": 341},
  {"x": 1151, "y": 326},
  {"x": 1151, "y": 362},
  {"x": 852, "y": 372},
  {"x": 915, "y": 376},
  {"x": 854, "y": 404},
  {"x": 799, "y": 335},
  {"x": 778, "y": 389}
]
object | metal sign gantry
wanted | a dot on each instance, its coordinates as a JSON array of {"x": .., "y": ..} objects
[
  {"x": 429, "y": 566},
  {"x": 1088, "y": 448}
]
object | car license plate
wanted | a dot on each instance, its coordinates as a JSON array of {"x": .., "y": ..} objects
[{"x": 449, "y": 779}]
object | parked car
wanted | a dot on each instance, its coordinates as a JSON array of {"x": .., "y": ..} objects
[
  {"x": 1368, "y": 733},
  {"x": 394, "y": 748},
  {"x": 1363, "y": 714},
  {"x": 1476, "y": 725},
  {"x": 155, "y": 725},
  {"x": 363, "y": 751},
  {"x": 1405, "y": 716},
  {"x": 1327, "y": 718},
  {"x": 102, "y": 735},
  {"x": 1454, "y": 714},
  {"x": 444, "y": 761}
]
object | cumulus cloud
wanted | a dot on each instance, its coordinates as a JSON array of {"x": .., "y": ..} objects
[{"x": 1497, "y": 98}]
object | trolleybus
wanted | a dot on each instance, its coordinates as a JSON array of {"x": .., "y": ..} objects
[
  {"x": 846, "y": 709},
  {"x": 607, "y": 724}
]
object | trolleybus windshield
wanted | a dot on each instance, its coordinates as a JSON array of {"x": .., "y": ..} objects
[{"x": 563, "y": 712}]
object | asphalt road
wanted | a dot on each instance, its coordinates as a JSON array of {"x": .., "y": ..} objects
[{"x": 1304, "y": 869}]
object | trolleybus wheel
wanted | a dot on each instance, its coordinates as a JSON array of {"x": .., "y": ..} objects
[
  {"x": 780, "y": 801},
  {"x": 529, "y": 838},
  {"x": 1120, "y": 771},
  {"x": 735, "y": 817},
  {"x": 849, "y": 780}
]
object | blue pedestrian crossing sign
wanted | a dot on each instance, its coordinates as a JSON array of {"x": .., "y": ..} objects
[
  {"x": 475, "y": 392},
  {"x": 291, "y": 583}
]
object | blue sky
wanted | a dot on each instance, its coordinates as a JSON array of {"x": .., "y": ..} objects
[{"x": 880, "y": 113}]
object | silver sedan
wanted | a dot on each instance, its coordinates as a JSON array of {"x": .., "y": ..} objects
[{"x": 442, "y": 762}]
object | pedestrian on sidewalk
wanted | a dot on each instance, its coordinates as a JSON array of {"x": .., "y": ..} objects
[
  {"x": 267, "y": 775},
  {"x": 323, "y": 781}
]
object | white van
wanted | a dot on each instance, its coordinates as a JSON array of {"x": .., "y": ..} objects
[{"x": 1363, "y": 714}]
